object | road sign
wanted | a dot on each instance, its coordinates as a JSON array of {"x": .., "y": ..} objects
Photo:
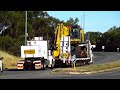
[
  {"x": 117, "y": 49},
  {"x": 103, "y": 47}
]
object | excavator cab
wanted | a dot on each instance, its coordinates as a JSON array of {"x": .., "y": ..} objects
[{"x": 77, "y": 34}]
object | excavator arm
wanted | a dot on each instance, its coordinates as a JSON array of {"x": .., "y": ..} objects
[
  {"x": 82, "y": 35},
  {"x": 60, "y": 31}
]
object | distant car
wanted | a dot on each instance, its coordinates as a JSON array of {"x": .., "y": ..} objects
[{"x": 1, "y": 65}]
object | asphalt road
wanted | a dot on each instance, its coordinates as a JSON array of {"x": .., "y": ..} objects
[
  {"x": 104, "y": 57},
  {"x": 99, "y": 57}
]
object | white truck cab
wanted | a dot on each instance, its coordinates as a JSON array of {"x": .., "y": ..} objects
[
  {"x": 35, "y": 55},
  {"x": 1, "y": 65}
]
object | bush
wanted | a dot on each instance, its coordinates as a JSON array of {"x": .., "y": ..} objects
[{"x": 10, "y": 45}]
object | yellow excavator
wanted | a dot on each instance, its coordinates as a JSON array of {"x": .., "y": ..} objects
[
  {"x": 61, "y": 32},
  {"x": 68, "y": 41}
]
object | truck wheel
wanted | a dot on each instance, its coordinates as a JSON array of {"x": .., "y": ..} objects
[
  {"x": 43, "y": 66},
  {"x": 51, "y": 67},
  {"x": 87, "y": 63},
  {"x": 24, "y": 68}
]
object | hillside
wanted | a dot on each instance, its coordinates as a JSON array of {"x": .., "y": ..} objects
[{"x": 9, "y": 61}]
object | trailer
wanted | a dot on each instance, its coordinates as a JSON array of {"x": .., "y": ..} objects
[
  {"x": 82, "y": 53},
  {"x": 71, "y": 47},
  {"x": 36, "y": 55},
  {"x": 79, "y": 53}
]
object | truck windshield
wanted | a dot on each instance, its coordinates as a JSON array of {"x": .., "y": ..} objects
[{"x": 75, "y": 33}]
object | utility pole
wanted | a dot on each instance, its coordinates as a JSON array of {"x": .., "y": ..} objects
[
  {"x": 83, "y": 20},
  {"x": 88, "y": 36},
  {"x": 25, "y": 27}
]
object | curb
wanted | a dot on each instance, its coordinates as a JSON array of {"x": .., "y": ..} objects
[{"x": 93, "y": 71}]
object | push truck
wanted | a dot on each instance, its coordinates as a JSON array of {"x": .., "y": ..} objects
[{"x": 36, "y": 55}]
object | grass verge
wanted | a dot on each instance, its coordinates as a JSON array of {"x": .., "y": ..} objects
[
  {"x": 9, "y": 61},
  {"x": 93, "y": 68}
]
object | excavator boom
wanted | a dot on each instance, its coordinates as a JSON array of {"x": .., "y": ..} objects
[{"x": 60, "y": 31}]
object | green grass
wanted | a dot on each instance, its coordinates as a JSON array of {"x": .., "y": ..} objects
[
  {"x": 9, "y": 61},
  {"x": 90, "y": 68}
]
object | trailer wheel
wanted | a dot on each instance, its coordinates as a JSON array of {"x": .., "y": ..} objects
[
  {"x": 72, "y": 64},
  {"x": 52, "y": 65},
  {"x": 87, "y": 63}
]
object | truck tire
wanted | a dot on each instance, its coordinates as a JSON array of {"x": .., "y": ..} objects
[
  {"x": 43, "y": 66},
  {"x": 87, "y": 63},
  {"x": 24, "y": 68},
  {"x": 51, "y": 67}
]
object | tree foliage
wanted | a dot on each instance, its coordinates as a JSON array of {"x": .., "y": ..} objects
[
  {"x": 40, "y": 23},
  {"x": 110, "y": 39}
]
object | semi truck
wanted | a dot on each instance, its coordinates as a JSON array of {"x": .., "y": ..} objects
[
  {"x": 35, "y": 55},
  {"x": 69, "y": 47}
]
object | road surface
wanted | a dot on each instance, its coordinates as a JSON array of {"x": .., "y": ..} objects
[{"x": 99, "y": 57}]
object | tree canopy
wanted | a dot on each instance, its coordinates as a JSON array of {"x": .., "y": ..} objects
[{"x": 40, "y": 23}]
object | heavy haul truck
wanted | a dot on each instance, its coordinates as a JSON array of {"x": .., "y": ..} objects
[
  {"x": 71, "y": 47},
  {"x": 36, "y": 55}
]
